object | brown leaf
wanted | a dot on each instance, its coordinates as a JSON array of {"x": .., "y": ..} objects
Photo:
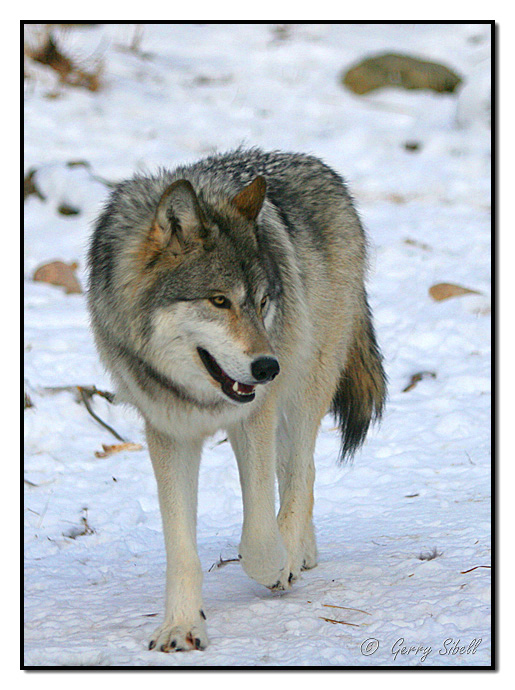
[
  {"x": 442, "y": 291},
  {"x": 59, "y": 273},
  {"x": 116, "y": 448}
]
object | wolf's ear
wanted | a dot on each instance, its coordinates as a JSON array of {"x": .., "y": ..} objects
[
  {"x": 179, "y": 219},
  {"x": 250, "y": 200}
]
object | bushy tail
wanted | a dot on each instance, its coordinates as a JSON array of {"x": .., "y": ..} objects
[{"x": 361, "y": 392}]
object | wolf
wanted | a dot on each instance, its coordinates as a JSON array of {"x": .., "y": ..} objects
[{"x": 229, "y": 294}]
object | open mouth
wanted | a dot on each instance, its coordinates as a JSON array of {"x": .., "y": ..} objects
[{"x": 239, "y": 392}]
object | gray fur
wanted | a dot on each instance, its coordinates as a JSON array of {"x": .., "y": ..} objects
[{"x": 245, "y": 256}]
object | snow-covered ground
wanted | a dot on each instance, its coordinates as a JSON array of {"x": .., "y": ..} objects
[{"x": 403, "y": 533}]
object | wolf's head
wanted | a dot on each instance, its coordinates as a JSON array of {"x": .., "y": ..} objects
[{"x": 212, "y": 291}]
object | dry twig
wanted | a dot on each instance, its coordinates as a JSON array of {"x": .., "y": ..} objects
[
  {"x": 464, "y": 572},
  {"x": 331, "y": 620},
  {"x": 86, "y": 394},
  {"x": 420, "y": 376},
  {"x": 222, "y": 563},
  {"x": 346, "y": 608}
]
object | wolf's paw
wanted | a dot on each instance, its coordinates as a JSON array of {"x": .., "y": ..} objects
[
  {"x": 302, "y": 555},
  {"x": 176, "y": 637},
  {"x": 285, "y": 582},
  {"x": 264, "y": 561},
  {"x": 309, "y": 562},
  {"x": 291, "y": 573},
  {"x": 309, "y": 550}
]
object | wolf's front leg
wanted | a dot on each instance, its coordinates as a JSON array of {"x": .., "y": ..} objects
[
  {"x": 296, "y": 437},
  {"x": 262, "y": 552},
  {"x": 176, "y": 468}
]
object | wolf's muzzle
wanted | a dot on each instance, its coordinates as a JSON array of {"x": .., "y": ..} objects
[
  {"x": 239, "y": 392},
  {"x": 264, "y": 369}
]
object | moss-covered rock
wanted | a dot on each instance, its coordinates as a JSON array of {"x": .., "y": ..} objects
[{"x": 399, "y": 70}]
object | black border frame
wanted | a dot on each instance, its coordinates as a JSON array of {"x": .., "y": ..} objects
[{"x": 494, "y": 423}]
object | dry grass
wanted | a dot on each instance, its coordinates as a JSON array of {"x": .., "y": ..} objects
[{"x": 45, "y": 48}]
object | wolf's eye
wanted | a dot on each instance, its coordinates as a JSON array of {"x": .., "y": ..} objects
[
  {"x": 264, "y": 303},
  {"x": 220, "y": 301}
]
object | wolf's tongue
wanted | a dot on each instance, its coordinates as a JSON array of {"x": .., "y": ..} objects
[
  {"x": 244, "y": 388},
  {"x": 235, "y": 387}
]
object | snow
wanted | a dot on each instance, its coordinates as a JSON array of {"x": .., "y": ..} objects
[{"x": 404, "y": 532}]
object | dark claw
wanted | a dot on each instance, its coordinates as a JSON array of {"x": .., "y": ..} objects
[
  {"x": 203, "y": 614},
  {"x": 277, "y": 586},
  {"x": 198, "y": 644},
  {"x": 290, "y": 577},
  {"x": 163, "y": 648},
  {"x": 152, "y": 644},
  {"x": 173, "y": 644}
]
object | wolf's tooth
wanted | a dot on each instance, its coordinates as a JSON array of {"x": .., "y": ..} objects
[{"x": 235, "y": 386}]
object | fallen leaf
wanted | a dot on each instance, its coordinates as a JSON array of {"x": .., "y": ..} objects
[
  {"x": 60, "y": 274},
  {"x": 116, "y": 448},
  {"x": 442, "y": 291}
]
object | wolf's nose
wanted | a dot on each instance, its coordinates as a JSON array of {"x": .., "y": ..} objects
[{"x": 264, "y": 369}]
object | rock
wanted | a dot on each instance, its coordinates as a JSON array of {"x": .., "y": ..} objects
[
  {"x": 403, "y": 71},
  {"x": 67, "y": 210},
  {"x": 412, "y": 146}
]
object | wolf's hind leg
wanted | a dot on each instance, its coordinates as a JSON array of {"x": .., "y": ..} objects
[{"x": 176, "y": 469}]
